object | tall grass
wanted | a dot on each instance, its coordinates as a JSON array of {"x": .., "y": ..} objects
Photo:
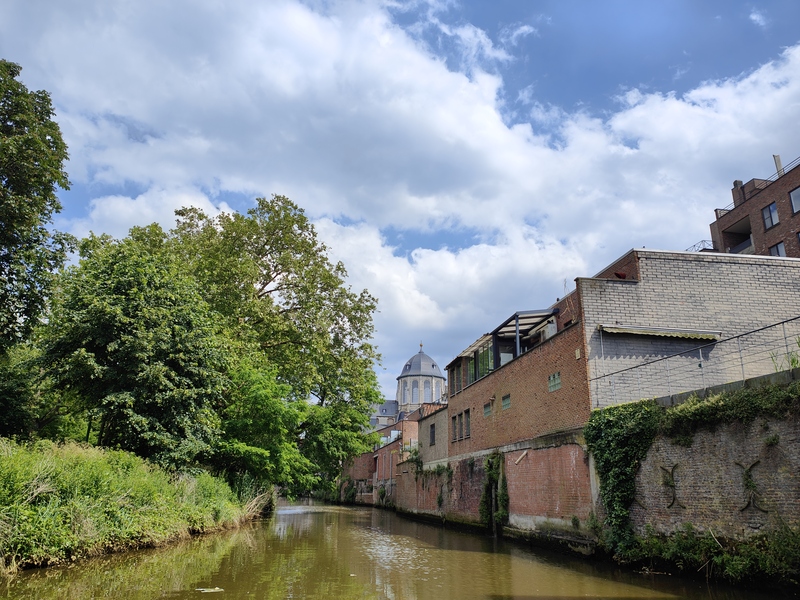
[{"x": 59, "y": 503}]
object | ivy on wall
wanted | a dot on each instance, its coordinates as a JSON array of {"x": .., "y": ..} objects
[
  {"x": 494, "y": 482},
  {"x": 619, "y": 438}
]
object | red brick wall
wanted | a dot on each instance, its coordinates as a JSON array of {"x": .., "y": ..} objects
[
  {"x": 785, "y": 231},
  {"x": 627, "y": 264},
  {"x": 362, "y": 467},
  {"x": 534, "y": 410},
  {"x": 550, "y": 483}
]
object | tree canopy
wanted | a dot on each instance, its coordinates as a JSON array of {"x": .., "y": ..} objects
[
  {"x": 130, "y": 334},
  {"x": 231, "y": 342},
  {"x": 32, "y": 155}
]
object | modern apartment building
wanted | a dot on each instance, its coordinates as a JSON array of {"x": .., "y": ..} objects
[{"x": 764, "y": 217}]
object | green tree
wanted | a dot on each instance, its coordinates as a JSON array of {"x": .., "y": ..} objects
[
  {"x": 32, "y": 154},
  {"x": 271, "y": 278},
  {"x": 131, "y": 336},
  {"x": 262, "y": 429}
]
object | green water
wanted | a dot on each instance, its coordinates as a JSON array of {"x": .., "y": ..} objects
[{"x": 317, "y": 551}]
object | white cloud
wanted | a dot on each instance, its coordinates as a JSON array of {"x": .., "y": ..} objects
[
  {"x": 116, "y": 214},
  {"x": 758, "y": 18},
  {"x": 359, "y": 122}
]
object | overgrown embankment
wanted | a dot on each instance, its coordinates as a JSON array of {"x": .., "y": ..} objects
[
  {"x": 620, "y": 438},
  {"x": 59, "y": 503}
]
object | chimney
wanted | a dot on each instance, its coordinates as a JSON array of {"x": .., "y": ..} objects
[{"x": 778, "y": 164}]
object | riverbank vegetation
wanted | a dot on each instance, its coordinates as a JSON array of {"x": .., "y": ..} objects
[
  {"x": 62, "y": 502},
  {"x": 619, "y": 438},
  {"x": 229, "y": 346}
]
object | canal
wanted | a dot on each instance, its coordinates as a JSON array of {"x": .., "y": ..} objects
[{"x": 319, "y": 551}]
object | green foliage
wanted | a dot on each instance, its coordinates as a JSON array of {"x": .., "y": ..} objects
[
  {"x": 130, "y": 335},
  {"x": 415, "y": 459},
  {"x": 494, "y": 484},
  {"x": 619, "y": 438},
  {"x": 349, "y": 492},
  {"x": 261, "y": 430},
  {"x": 744, "y": 405},
  {"x": 62, "y": 502},
  {"x": 788, "y": 360},
  {"x": 773, "y": 558},
  {"x": 269, "y": 278},
  {"x": 32, "y": 154}
]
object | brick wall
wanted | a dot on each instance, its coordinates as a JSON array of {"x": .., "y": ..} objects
[
  {"x": 787, "y": 228},
  {"x": 728, "y": 293},
  {"x": 437, "y": 452},
  {"x": 548, "y": 484},
  {"x": 704, "y": 483},
  {"x": 534, "y": 410}
]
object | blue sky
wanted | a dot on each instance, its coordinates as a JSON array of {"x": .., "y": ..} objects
[{"x": 464, "y": 159}]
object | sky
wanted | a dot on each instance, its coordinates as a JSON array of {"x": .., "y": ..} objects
[{"x": 464, "y": 159}]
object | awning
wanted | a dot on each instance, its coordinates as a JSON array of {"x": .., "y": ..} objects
[{"x": 693, "y": 334}]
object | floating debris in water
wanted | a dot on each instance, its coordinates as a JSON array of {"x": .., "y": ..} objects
[{"x": 209, "y": 590}]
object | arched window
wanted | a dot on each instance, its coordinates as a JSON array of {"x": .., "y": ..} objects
[
  {"x": 438, "y": 395},
  {"x": 415, "y": 392},
  {"x": 427, "y": 391}
]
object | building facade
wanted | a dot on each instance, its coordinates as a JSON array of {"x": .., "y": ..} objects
[{"x": 764, "y": 217}]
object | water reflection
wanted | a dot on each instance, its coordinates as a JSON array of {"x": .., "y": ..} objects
[{"x": 315, "y": 551}]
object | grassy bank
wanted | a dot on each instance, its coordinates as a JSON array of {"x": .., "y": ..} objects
[{"x": 59, "y": 503}]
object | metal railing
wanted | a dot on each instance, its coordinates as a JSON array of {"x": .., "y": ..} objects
[
  {"x": 761, "y": 185},
  {"x": 758, "y": 352},
  {"x": 700, "y": 246}
]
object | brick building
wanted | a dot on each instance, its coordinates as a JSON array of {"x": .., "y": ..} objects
[
  {"x": 553, "y": 366},
  {"x": 764, "y": 217}
]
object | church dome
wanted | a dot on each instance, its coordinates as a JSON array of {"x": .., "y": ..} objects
[{"x": 421, "y": 364}]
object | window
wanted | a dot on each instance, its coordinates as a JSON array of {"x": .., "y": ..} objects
[
  {"x": 770, "y": 215},
  {"x": 484, "y": 360},
  {"x": 455, "y": 432},
  {"x": 433, "y": 434},
  {"x": 487, "y": 409},
  {"x": 461, "y": 426},
  {"x": 466, "y": 423},
  {"x": 554, "y": 382},
  {"x": 795, "y": 197},
  {"x": 778, "y": 249},
  {"x": 506, "y": 401}
]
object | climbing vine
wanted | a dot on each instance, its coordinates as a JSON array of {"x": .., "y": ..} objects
[
  {"x": 494, "y": 482},
  {"x": 619, "y": 438}
]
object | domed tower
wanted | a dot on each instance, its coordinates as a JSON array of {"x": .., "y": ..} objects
[{"x": 420, "y": 382}]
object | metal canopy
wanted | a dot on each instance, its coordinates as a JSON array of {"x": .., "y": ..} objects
[
  {"x": 695, "y": 334},
  {"x": 514, "y": 327},
  {"x": 521, "y": 322}
]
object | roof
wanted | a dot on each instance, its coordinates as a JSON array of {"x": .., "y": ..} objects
[
  {"x": 421, "y": 364},
  {"x": 525, "y": 320}
]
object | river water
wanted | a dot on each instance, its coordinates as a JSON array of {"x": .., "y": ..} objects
[{"x": 320, "y": 551}]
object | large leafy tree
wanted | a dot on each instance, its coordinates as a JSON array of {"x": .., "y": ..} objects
[
  {"x": 130, "y": 335},
  {"x": 270, "y": 277},
  {"x": 32, "y": 154}
]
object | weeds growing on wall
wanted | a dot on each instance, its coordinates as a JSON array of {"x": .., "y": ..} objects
[
  {"x": 494, "y": 482},
  {"x": 349, "y": 491},
  {"x": 680, "y": 422}
]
